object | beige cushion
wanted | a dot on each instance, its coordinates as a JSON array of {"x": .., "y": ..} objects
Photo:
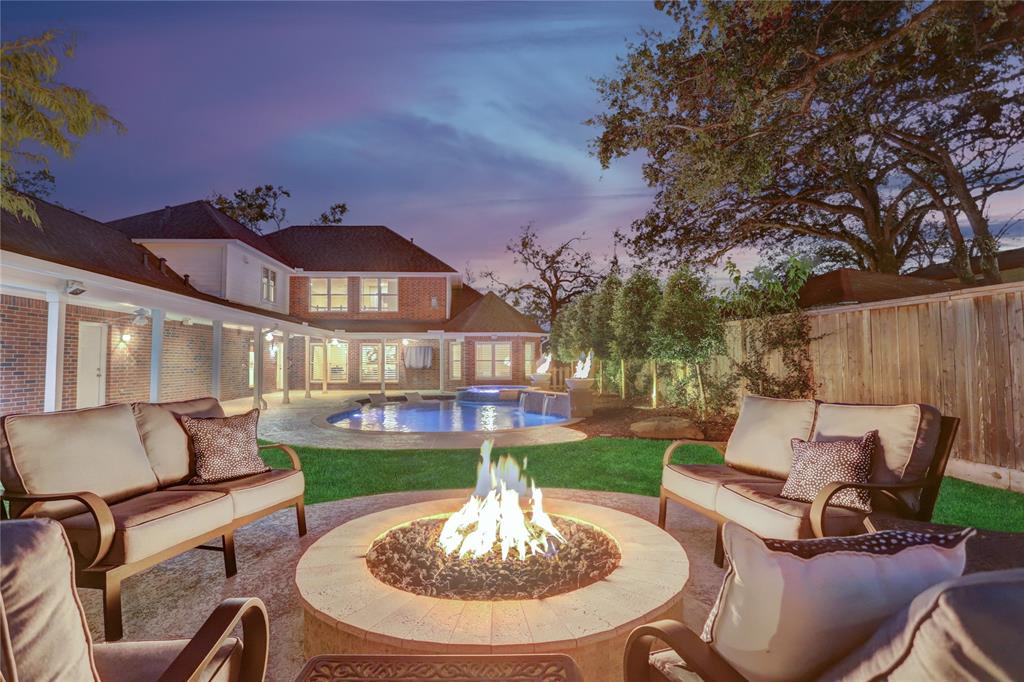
[
  {"x": 96, "y": 450},
  {"x": 760, "y": 442},
  {"x": 757, "y": 506},
  {"x": 699, "y": 483},
  {"x": 149, "y": 523},
  {"x": 963, "y": 629},
  {"x": 255, "y": 493},
  {"x": 782, "y": 616},
  {"x": 907, "y": 437},
  {"x": 165, "y": 441},
  {"x": 146, "y": 661},
  {"x": 49, "y": 635}
]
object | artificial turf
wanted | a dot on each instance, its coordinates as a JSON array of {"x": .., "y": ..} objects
[{"x": 614, "y": 464}]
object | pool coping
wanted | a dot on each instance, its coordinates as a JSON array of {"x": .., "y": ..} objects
[{"x": 320, "y": 421}]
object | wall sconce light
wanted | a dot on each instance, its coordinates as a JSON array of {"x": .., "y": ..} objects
[
  {"x": 269, "y": 336},
  {"x": 335, "y": 341},
  {"x": 124, "y": 340},
  {"x": 405, "y": 342}
]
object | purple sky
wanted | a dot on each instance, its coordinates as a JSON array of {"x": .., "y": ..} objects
[{"x": 453, "y": 123}]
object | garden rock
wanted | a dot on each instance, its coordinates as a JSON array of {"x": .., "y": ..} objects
[{"x": 671, "y": 428}]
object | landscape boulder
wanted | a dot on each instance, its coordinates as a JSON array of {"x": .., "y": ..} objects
[{"x": 667, "y": 427}]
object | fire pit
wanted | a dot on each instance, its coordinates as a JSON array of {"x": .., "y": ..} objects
[{"x": 506, "y": 571}]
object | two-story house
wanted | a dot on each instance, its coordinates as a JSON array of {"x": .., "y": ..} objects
[{"x": 186, "y": 301}]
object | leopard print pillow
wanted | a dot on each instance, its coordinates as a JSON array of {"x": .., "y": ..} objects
[
  {"x": 818, "y": 463},
  {"x": 225, "y": 447}
]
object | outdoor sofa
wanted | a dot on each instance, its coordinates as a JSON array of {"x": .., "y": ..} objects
[
  {"x": 116, "y": 477},
  {"x": 914, "y": 442}
]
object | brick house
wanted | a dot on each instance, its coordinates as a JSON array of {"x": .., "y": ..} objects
[{"x": 184, "y": 301}]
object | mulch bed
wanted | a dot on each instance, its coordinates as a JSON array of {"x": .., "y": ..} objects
[
  {"x": 410, "y": 558},
  {"x": 612, "y": 417}
]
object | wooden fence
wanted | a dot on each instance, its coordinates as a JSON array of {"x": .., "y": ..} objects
[{"x": 962, "y": 352}]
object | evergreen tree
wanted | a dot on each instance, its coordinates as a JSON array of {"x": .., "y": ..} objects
[{"x": 634, "y": 323}]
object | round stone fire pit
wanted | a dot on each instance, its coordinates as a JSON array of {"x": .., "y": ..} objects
[{"x": 348, "y": 610}]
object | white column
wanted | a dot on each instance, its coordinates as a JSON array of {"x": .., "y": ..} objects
[
  {"x": 308, "y": 367},
  {"x": 442, "y": 365},
  {"x": 53, "y": 381},
  {"x": 286, "y": 359},
  {"x": 380, "y": 360},
  {"x": 324, "y": 365},
  {"x": 218, "y": 345},
  {"x": 156, "y": 354},
  {"x": 257, "y": 366}
]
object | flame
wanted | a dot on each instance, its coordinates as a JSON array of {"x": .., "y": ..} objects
[
  {"x": 583, "y": 367},
  {"x": 493, "y": 515}
]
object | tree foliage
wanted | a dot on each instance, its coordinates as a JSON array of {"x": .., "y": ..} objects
[
  {"x": 633, "y": 317},
  {"x": 688, "y": 320},
  {"x": 39, "y": 112},
  {"x": 255, "y": 208},
  {"x": 557, "y": 275},
  {"x": 333, "y": 215},
  {"x": 809, "y": 126},
  {"x": 602, "y": 329}
]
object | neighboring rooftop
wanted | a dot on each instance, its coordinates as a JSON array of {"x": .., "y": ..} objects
[
  {"x": 491, "y": 314},
  {"x": 1011, "y": 259},
  {"x": 352, "y": 248},
  {"x": 859, "y": 286},
  {"x": 194, "y": 220}
]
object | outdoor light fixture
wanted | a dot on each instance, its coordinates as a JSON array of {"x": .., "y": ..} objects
[
  {"x": 269, "y": 336},
  {"x": 335, "y": 341},
  {"x": 405, "y": 342},
  {"x": 140, "y": 318},
  {"x": 74, "y": 288},
  {"x": 126, "y": 337}
]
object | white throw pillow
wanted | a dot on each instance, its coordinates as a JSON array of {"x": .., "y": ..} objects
[{"x": 790, "y": 608}]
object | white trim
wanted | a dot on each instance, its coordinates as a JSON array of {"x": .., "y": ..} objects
[
  {"x": 199, "y": 242},
  {"x": 156, "y": 353},
  {"x": 370, "y": 273},
  {"x": 53, "y": 382},
  {"x": 284, "y": 362}
]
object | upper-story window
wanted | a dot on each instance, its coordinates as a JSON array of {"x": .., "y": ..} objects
[
  {"x": 268, "y": 286},
  {"x": 379, "y": 294},
  {"x": 328, "y": 294}
]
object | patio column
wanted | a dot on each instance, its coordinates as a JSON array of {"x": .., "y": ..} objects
[
  {"x": 218, "y": 343},
  {"x": 156, "y": 354},
  {"x": 323, "y": 358},
  {"x": 53, "y": 382},
  {"x": 308, "y": 366},
  {"x": 287, "y": 367},
  {"x": 442, "y": 364},
  {"x": 257, "y": 366}
]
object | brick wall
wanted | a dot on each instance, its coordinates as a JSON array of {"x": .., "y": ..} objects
[
  {"x": 187, "y": 361},
  {"x": 234, "y": 363},
  {"x": 414, "y": 300},
  {"x": 297, "y": 369},
  {"x": 127, "y": 361},
  {"x": 22, "y": 354},
  {"x": 517, "y": 358}
]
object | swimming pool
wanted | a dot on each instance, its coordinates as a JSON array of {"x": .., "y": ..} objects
[{"x": 435, "y": 416}]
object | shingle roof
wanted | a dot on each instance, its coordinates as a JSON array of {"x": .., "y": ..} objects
[
  {"x": 858, "y": 286},
  {"x": 1008, "y": 259},
  {"x": 463, "y": 297},
  {"x": 194, "y": 220},
  {"x": 492, "y": 315},
  {"x": 75, "y": 240},
  {"x": 352, "y": 248}
]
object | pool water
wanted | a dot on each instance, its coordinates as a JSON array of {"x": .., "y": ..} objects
[{"x": 441, "y": 416}]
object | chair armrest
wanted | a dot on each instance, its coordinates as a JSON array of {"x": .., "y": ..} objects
[
  {"x": 94, "y": 504},
  {"x": 289, "y": 450},
  {"x": 698, "y": 655},
  {"x": 716, "y": 444},
  {"x": 197, "y": 654},
  {"x": 825, "y": 495}
]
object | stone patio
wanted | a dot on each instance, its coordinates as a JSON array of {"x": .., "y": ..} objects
[{"x": 301, "y": 423}]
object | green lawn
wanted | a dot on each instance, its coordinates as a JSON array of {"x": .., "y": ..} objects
[{"x": 615, "y": 464}]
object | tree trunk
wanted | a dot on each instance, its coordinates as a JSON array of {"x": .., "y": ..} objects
[
  {"x": 600, "y": 377},
  {"x": 983, "y": 238},
  {"x": 700, "y": 392},
  {"x": 654, "y": 383},
  {"x": 622, "y": 378}
]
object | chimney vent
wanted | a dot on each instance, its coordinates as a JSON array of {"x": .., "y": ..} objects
[
  {"x": 186, "y": 280},
  {"x": 163, "y": 265}
]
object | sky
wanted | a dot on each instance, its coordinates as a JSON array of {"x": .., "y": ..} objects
[{"x": 452, "y": 123}]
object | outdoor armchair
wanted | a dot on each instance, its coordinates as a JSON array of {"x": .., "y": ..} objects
[{"x": 45, "y": 636}]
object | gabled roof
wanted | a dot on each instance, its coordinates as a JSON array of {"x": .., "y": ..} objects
[
  {"x": 1009, "y": 259},
  {"x": 463, "y": 297},
  {"x": 194, "y": 220},
  {"x": 858, "y": 286},
  {"x": 492, "y": 315},
  {"x": 77, "y": 241},
  {"x": 352, "y": 248}
]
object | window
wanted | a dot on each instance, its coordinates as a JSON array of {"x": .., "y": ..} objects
[
  {"x": 455, "y": 363},
  {"x": 493, "y": 360},
  {"x": 337, "y": 362},
  {"x": 370, "y": 362},
  {"x": 528, "y": 357},
  {"x": 379, "y": 294},
  {"x": 268, "y": 286},
  {"x": 328, "y": 294}
]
